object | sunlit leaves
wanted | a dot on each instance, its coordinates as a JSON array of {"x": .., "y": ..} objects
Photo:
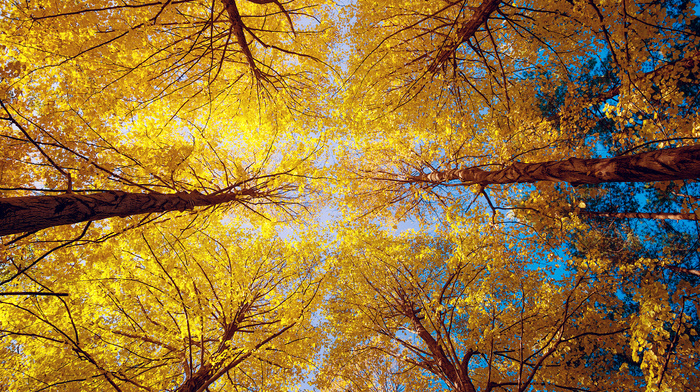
[
  {"x": 152, "y": 310},
  {"x": 330, "y": 113}
]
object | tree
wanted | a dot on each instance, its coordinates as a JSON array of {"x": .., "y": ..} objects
[
  {"x": 483, "y": 111},
  {"x": 206, "y": 137},
  {"x": 151, "y": 121},
  {"x": 487, "y": 116},
  {"x": 179, "y": 310},
  {"x": 661, "y": 165},
  {"x": 181, "y": 102},
  {"x": 465, "y": 311},
  {"x": 33, "y": 213},
  {"x": 127, "y": 111}
]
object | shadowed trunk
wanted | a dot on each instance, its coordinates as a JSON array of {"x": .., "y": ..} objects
[
  {"x": 642, "y": 215},
  {"x": 237, "y": 30},
  {"x": 199, "y": 379},
  {"x": 32, "y": 213},
  {"x": 465, "y": 32},
  {"x": 208, "y": 373},
  {"x": 682, "y": 270},
  {"x": 662, "y": 165},
  {"x": 457, "y": 375}
]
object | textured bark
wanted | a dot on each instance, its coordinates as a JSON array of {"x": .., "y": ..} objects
[
  {"x": 237, "y": 30},
  {"x": 458, "y": 376},
  {"x": 200, "y": 378},
  {"x": 206, "y": 374},
  {"x": 465, "y": 32},
  {"x": 684, "y": 270},
  {"x": 662, "y": 165},
  {"x": 642, "y": 215},
  {"x": 32, "y": 213}
]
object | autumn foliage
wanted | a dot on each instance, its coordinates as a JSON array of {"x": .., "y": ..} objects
[{"x": 259, "y": 195}]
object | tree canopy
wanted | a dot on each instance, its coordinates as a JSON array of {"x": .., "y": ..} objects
[{"x": 259, "y": 195}]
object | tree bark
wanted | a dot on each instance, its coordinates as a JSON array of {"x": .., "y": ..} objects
[
  {"x": 33, "y": 213},
  {"x": 237, "y": 30},
  {"x": 206, "y": 374},
  {"x": 461, "y": 381},
  {"x": 198, "y": 379},
  {"x": 681, "y": 163},
  {"x": 465, "y": 32},
  {"x": 642, "y": 215},
  {"x": 684, "y": 270}
]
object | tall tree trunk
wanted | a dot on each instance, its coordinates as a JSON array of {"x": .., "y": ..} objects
[
  {"x": 459, "y": 377},
  {"x": 465, "y": 32},
  {"x": 32, "y": 213},
  {"x": 206, "y": 374},
  {"x": 199, "y": 379},
  {"x": 642, "y": 215},
  {"x": 681, "y": 163},
  {"x": 237, "y": 30},
  {"x": 688, "y": 271}
]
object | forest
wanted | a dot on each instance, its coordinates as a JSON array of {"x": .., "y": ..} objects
[{"x": 359, "y": 195}]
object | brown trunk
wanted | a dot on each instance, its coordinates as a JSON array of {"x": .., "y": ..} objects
[
  {"x": 198, "y": 379},
  {"x": 32, "y": 213},
  {"x": 237, "y": 30},
  {"x": 642, "y": 215},
  {"x": 684, "y": 270},
  {"x": 465, "y": 32},
  {"x": 662, "y": 165},
  {"x": 461, "y": 382},
  {"x": 203, "y": 376}
]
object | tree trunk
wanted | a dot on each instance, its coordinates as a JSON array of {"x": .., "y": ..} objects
[
  {"x": 461, "y": 382},
  {"x": 199, "y": 379},
  {"x": 237, "y": 30},
  {"x": 207, "y": 373},
  {"x": 662, "y": 165},
  {"x": 465, "y": 32},
  {"x": 642, "y": 215},
  {"x": 32, "y": 213},
  {"x": 684, "y": 270}
]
